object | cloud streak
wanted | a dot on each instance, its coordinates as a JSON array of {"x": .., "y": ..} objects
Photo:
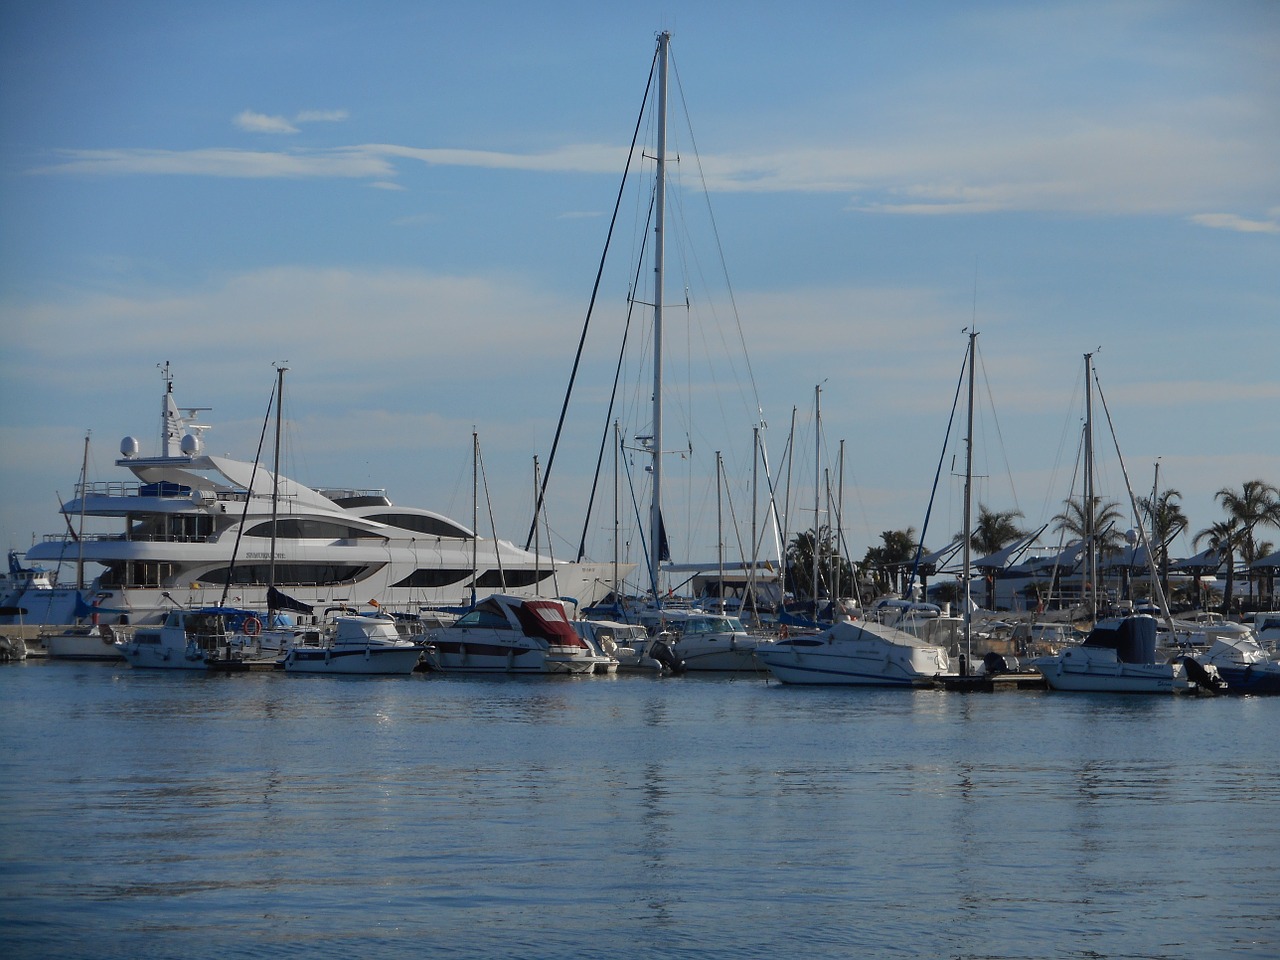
[{"x": 1158, "y": 168}]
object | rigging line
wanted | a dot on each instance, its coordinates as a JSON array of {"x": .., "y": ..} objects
[
  {"x": 635, "y": 506},
  {"x": 586, "y": 323},
  {"x": 955, "y": 403},
  {"x": 235, "y": 549},
  {"x": 613, "y": 398},
  {"x": 1156, "y": 586},
  {"x": 1065, "y": 518},
  {"x": 493, "y": 527},
  {"x": 715, "y": 230},
  {"x": 999, "y": 433}
]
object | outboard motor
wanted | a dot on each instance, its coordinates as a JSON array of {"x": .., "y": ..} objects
[
  {"x": 994, "y": 663},
  {"x": 661, "y": 651},
  {"x": 1206, "y": 678}
]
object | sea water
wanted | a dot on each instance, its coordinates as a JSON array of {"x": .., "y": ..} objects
[{"x": 154, "y": 814}]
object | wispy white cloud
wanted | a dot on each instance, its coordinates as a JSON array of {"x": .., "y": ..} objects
[
  {"x": 261, "y": 123},
  {"x": 1230, "y": 221},
  {"x": 224, "y": 162},
  {"x": 321, "y": 116},
  {"x": 255, "y": 122}
]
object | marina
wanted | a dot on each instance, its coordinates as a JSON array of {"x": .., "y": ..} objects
[{"x": 256, "y": 707}]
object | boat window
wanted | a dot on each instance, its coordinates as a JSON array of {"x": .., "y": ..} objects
[
  {"x": 301, "y": 528},
  {"x": 417, "y": 523},
  {"x": 439, "y": 577},
  {"x": 499, "y": 579},
  {"x": 482, "y": 617},
  {"x": 290, "y": 574}
]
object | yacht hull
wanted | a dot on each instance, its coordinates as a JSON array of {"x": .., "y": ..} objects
[
  {"x": 856, "y": 656},
  {"x": 396, "y": 662}
]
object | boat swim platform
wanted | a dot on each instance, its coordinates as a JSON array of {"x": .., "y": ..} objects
[
  {"x": 243, "y": 666},
  {"x": 992, "y": 683}
]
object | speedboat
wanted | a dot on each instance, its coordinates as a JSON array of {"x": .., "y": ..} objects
[
  {"x": 185, "y": 641},
  {"x": 193, "y": 527},
  {"x": 83, "y": 642},
  {"x": 630, "y": 645},
  {"x": 706, "y": 641},
  {"x": 864, "y": 653},
  {"x": 359, "y": 645},
  {"x": 1118, "y": 656},
  {"x": 509, "y": 634},
  {"x": 1243, "y": 664}
]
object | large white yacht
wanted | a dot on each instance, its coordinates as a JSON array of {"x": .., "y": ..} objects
[{"x": 186, "y": 514}]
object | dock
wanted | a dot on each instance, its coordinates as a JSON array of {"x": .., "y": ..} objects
[{"x": 994, "y": 682}]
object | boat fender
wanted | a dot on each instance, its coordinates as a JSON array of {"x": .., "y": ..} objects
[{"x": 252, "y": 626}]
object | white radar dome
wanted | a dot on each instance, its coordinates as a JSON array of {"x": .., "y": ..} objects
[
  {"x": 129, "y": 447},
  {"x": 190, "y": 444}
]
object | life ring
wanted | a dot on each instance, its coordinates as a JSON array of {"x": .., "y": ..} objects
[{"x": 252, "y": 626}]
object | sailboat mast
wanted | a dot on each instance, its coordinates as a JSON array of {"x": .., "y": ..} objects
[
  {"x": 817, "y": 492},
  {"x": 1091, "y": 557},
  {"x": 275, "y": 483},
  {"x": 659, "y": 252},
  {"x": 84, "y": 477},
  {"x": 720, "y": 529},
  {"x": 475, "y": 513},
  {"x": 617, "y": 496},
  {"x": 968, "y": 510}
]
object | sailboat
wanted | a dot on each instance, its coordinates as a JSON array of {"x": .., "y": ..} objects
[
  {"x": 1119, "y": 654},
  {"x": 91, "y": 640}
]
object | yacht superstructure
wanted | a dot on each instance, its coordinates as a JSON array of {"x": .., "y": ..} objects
[{"x": 184, "y": 510}]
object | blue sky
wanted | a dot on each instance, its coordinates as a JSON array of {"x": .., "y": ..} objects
[{"x": 407, "y": 202}]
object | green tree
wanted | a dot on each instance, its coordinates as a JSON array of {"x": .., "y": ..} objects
[
  {"x": 1256, "y": 504},
  {"x": 1165, "y": 520},
  {"x": 1224, "y": 538},
  {"x": 993, "y": 531},
  {"x": 835, "y": 573},
  {"x": 888, "y": 563},
  {"x": 1106, "y": 517}
]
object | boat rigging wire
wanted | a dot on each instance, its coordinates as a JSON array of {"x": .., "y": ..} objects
[{"x": 577, "y": 359}]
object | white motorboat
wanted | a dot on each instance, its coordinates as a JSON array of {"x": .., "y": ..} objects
[
  {"x": 510, "y": 634},
  {"x": 1118, "y": 656},
  {"x": 1243, "y": 665},
  {"x": 185, "y": 641},
  {"x": 85, "y": 642},
  {"x": 184, "y": 511},
  {"x": 706, "y": 641},
  {"x": 630, "y": 645},
  {"x": 856, "y": 654},
  {"x": 358, "y": 645}
]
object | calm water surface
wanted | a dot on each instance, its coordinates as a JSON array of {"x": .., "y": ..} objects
[{"x": 157, "y": 815}]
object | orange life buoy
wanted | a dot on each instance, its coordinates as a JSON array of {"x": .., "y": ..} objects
[{"x": 252, "y": 626}]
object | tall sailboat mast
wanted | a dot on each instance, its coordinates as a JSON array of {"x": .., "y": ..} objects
[
  {"x": 275, "y": 484},
  {"x": 968, "y": 512},
  {"x": 659, "y": 251},
  {"x": 1090, "y": 514}
]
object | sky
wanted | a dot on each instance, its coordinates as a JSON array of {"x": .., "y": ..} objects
[{"x": 407, "y": 204}]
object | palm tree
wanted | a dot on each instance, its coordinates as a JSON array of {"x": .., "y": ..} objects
[
  {"x": 1257, "y": 503},
  {"x": 887, "y": 562},
  {"x": 1166, "y": 520},
  {"x": 1223, "y": 537},
  {"x": 1075, "y": 519},
  {"x": 800, "y": 561},
  {"x": 993, "y": 531}
]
